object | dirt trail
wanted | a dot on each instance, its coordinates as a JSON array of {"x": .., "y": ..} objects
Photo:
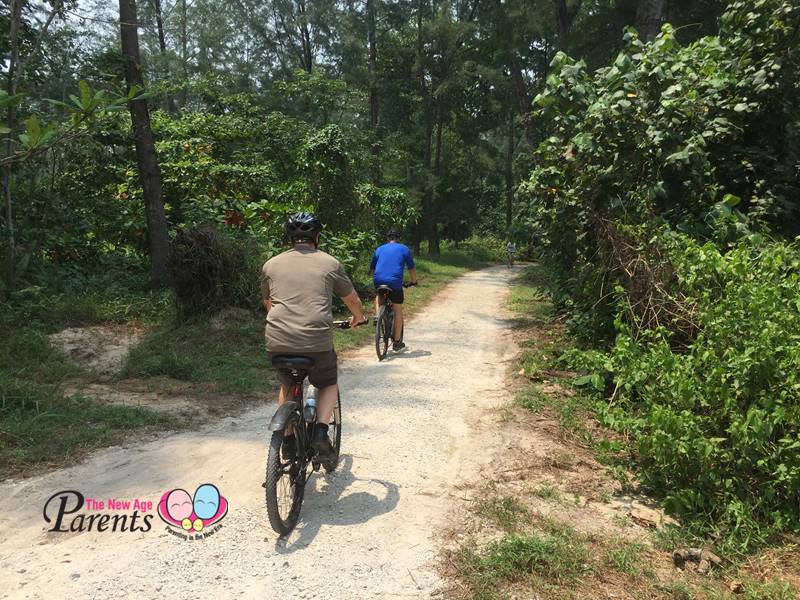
[{"x": 412, "y": 429}]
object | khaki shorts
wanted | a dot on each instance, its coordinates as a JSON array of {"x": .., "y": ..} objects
[{"x": 324, "y": 372}]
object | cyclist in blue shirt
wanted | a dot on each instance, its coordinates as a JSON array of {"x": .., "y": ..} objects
[{"x": 387, "y": 266}]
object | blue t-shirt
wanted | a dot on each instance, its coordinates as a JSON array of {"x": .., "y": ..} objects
[{"x": 388, "y": 262}]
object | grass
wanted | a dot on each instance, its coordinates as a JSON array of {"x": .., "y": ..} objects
[
  {"x": 547, "y": 491},
  {"x": 39, "y": 425},
  {"x": 626, "y": 558},
  {"x": 220, "y": 356},
  {"x": 504, "y": 512},
  {"x": 542, "y": 560}
]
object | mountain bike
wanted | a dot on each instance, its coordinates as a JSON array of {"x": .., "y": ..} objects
[
  {"x": 286, "y": 477},
  {"x": 384, "y": 323}
]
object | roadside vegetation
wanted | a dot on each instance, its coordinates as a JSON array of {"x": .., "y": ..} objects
[
  {"x": 665, "y": 205},
  {"x": 570, "y": 517}
]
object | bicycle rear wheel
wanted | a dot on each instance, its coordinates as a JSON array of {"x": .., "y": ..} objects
[
  {"x": 335, "y": 433},
  {"x": 285, "y": 485},
  {"x": 383, "y": 331}
]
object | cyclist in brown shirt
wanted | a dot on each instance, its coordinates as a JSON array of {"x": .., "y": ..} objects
[{"x": 297, "y": 287}]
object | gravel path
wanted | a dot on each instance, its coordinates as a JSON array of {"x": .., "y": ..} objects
[{"x": 411, "y": 433}]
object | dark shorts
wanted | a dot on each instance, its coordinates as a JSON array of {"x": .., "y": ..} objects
[
  {"x": 397, "y": 296},
  {"x": 324, "y": 372}
]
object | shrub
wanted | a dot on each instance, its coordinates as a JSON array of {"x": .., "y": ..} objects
[
  {"x": 717, "y": 424},
  {"x": 210, "y": 270}
]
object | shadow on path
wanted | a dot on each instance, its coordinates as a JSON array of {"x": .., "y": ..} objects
[{"x": 328, "y": 506}]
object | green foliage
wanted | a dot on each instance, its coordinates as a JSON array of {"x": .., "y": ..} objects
[
  {"x": 720, "y": 419},
  {"x": 653, "y": 205},
  {"x": 703, "y": 138}
]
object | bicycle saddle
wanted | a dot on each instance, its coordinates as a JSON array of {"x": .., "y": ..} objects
[{"x": 292, "y": 362}]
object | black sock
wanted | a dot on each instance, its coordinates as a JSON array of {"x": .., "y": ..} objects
[{"x": 323, "y": 427}]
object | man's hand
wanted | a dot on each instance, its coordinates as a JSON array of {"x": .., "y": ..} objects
[
  {"x": 353, "y": 302},
  {"x": 358, "y": 321}
]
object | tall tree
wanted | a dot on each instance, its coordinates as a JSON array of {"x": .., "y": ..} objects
[
  {"x": 15, "y": 70},
  {"x": 566, "y": 12},
  {"x": 374, "y": 105},
  {"x": 15, "y": 21},
  {"x": 648, "y": 18},
  {"x": 149, "y": 172},
  {"x": 162, "y": 47}
]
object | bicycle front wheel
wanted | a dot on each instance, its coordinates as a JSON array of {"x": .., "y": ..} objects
[
  {"x": 383, "y": 331},
  {"x": 286, "y": 482}
]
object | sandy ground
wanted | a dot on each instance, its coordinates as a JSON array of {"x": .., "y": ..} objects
[
  {"x": 102, "y": 348},
  {"x": 413, "y": 431}
]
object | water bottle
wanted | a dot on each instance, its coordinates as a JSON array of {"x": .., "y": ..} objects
[{"x": 310, "y": 407}]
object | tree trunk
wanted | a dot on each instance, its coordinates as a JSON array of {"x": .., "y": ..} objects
[
  {"x": 510, "y": 173},
  {"x": 524, "y": 102},
  {"x": 184, "y": 54},
  {"x": 566, "y": 11},
  {"x": 15, "y": 16},
  {"x": 374, "y": 105},
  {"x": 162, "y": 46},
  {"x": 428, "y": 229},
  {"x": 648, "y": 18},
  {"x": 149, "y": 172},
  {"x": 307, "y": 50},
  {"x": 373, "y": 65},
  {"x": 433, "y": 229}
]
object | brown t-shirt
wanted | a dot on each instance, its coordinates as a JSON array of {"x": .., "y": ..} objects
[{"x": 301, "y": 282}]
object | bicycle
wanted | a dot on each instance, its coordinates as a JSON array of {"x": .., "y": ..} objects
[
  {"x": 510, "y": 259},
  {"x": 286, "y": 478},
  {"x": 384, "y": 323}
]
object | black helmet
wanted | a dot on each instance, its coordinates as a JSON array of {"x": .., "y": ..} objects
[
  {"x": 303, "y": 225},
  {"x": 393, "y": 234}
]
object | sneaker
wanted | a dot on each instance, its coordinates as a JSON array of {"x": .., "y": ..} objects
[
  {"x": 321, "y": 443},
  {"x": 289, "y": 448},
  {"x": 397, "y": 346}
]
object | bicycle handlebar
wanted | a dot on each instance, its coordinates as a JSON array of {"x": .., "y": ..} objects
[
  {"x": 409, "y": 284},
  {"x": 345, "y": 324}
]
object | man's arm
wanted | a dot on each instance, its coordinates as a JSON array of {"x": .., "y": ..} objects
[
  {"x": 373, "y": 263},
  {"x": 412, "y": 268},
  {"x": 353, "y": 303}
]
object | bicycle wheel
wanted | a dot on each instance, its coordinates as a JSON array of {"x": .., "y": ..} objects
[
  {"x": 335, "y": 433},
  {"x": 286, "y": 482},
  {"x": 383, "y": 330}
]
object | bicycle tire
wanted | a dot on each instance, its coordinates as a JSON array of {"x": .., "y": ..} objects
[
  {"x": 382, "y": 333},
  {"x": 335, "y": 433},
  {"x": 275, "y": 473}
]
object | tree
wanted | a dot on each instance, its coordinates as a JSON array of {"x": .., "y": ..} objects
[
  {"x": 648, "y": 18},
  {"x": 566, "y": 11},
  {"x": 149, "y": 172}
]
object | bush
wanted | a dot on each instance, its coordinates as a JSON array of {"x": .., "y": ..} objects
[
  {"x": 210, "y": 271},
  {"x": 717, "y": 424}
]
